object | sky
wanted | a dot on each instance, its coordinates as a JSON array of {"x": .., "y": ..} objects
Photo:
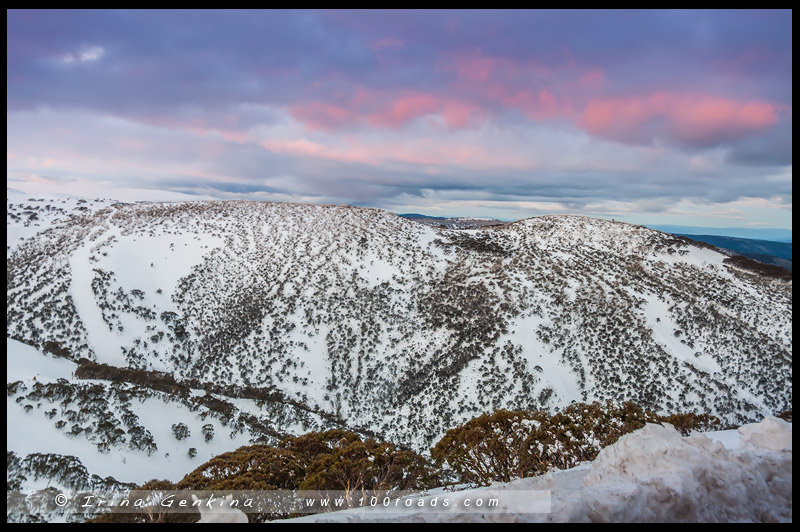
[{"x": 671, "y": 117}]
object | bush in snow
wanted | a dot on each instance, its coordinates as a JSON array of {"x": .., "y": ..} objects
[
  {"x": 489, "y": 447},
  {"x": 208, "y": 432},
  {"x": 180, "y": 431},
  {"x": 255, "y": 467},
  {"x": 686, "y": 423},
  {"x": 507, "y": 445},
  {"x": 313, "y": 444},
  {"x": 331, "y": 460},
  {"x": 367, "y": 466}
]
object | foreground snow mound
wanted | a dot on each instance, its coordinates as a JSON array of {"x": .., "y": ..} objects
[
  {"x": 656, "y": 475},
  {"x": 773, "y": 433},
  {"x": 651, "y": 475}
]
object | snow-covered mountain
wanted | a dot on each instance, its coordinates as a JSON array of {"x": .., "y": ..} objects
[{"x": 266, "y": 319}]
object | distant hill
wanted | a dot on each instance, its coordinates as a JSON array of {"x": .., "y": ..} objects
[
  {"x": 417, "y": 215},
  {"x": 776, "y": 253},
  {"x": 773, "y": 235},
  {"x": 452, "y": 223}
]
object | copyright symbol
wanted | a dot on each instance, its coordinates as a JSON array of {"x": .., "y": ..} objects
[{"x": 61, "y": 500}]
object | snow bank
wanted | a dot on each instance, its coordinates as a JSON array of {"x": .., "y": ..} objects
[
  {"x": 652, "y": 475},
  {"x": 772, "y": 434},
  {"x": 656, "y": 475}
]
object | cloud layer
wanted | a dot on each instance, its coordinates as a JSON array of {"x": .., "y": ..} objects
[{"x": 508, "y": 114}]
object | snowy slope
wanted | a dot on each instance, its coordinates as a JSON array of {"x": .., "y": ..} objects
[
  {"x": 27, "y": 216},
  {"x": 123, "y": 431}
]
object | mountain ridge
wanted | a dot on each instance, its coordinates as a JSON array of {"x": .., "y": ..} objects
[{"x": 389, "y": 325}]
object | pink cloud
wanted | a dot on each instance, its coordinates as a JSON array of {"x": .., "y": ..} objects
[
  {"x": 458, "y": 114},
  {"x": 592, "y": 79},
  {"x": 322, "y": 116},
  {"x": 307, "y": 148},
  {"x": 364, "y": 97},
  {"x": 405, "y": 109},
  {"x": 699, "y": 119},
  {"x": 536, "y": 105},
  {"x": 386, "y": 111},
  {"x": 717, "y": 119},
  {"x": 224, "y": 126},
  {"x": 382, "y": 110},
  {"x": 427, "y": 152},
  {"x": 475, "y": 67}
]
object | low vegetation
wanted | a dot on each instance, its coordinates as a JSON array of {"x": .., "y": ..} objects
[
  {"x": 507, "y": 445},
  {"x": 494, "y": 447},
  {"x": 334, "y": 460}
]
